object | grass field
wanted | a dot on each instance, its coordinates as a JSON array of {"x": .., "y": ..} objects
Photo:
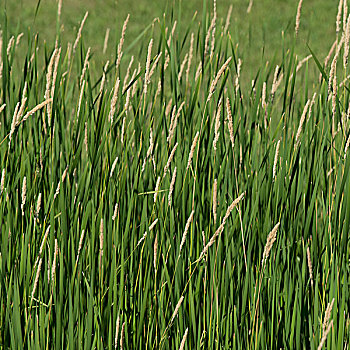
[
  {"x": 187, "y": 189},
  {"x": 258, "y": 33}
]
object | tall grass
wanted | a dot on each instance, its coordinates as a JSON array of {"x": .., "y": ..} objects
[{"x": 144, "y": 208}]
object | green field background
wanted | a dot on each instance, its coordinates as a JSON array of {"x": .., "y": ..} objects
[{"x": 258, "y": 33}]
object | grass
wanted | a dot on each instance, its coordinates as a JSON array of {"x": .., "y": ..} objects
[
  {"x": 259, "y": 33},
  {"x": 107, "y": 241}
]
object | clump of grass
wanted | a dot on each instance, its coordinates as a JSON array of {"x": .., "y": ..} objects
[{"x": 137, "y": 197}]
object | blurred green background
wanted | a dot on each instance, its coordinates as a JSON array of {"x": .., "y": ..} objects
[{"x": 258, "y": 33}]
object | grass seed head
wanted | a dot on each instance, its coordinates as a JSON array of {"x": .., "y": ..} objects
[
  {"x": 79, "y": 31},
  {"x": 105, "y": 43},
  {"x": 171, "y": 189},
  {"x": 271, "y": 238},
  {"x": 297, "y": 19},
  {"x": 276, "y": 160},
  {"x": 338, "y": 20},
  {"x": 193, "y": 147},
  {"x": 183, "y": 341},
  {"x": 215, "y": 199},
  {"x": 176, "y": 309},
  {"x": 24, "y": 194}
]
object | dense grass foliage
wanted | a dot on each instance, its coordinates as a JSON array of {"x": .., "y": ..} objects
[{"x": 161, "y": 202}]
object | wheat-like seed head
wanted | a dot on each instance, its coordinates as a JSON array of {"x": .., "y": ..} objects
[
  {"x": 36, "y": 278},
  {"x": 103, "y": 78},
  {"x": 324, "y": 336},
  {"x": 80, "y": 97},
  {"x": 183, "y": 341},
  {"x": 346, "y": 146},
  {"x": 172, "y": 33},
  {"x": 116, "y": 332},
  {"x": 49, "y": 75},
  {"x": 156, "y": 189},
  {"x": 173, "y": 122},
  {"x": 22, "y": 104},
  {"x": 330, "y": 53},
  {"x": 332, "y": 72},
  {"x": 327, "y": 316},
  {"x": 53, "y": 269},
  {"x": 313, "y": 100},
  {"x": 239, "y": 66},
  {"x": 309, "y": 264},
  {"x": 190, "y": 56},
  {"x": 21, "y": 107},
  {"x": 80, "y": 244},
  {"x": 167, "y": 166},
  {"x": 338, "y": 20},
  {"x": 115, "y": 212},
  {"x": 213, "y": 32},
  {"x": 276, "y": 82},
  {"x": 38, "y": 205},
  {"x": 216, "y": 79},
  {"x": 122, "y": 336},
  {"x": 215, "y": 199},
  {"x": 346, "y": 43},
  {"x": 105, "y": 43},
  {"x": 334, "y": 96},
  {"x": 263, "y": 96},
  {"x": 171, "y": 189},
  {"x": 44, "y": 240},
  {"x": 227, "y": 23},
  {"x": 2, "y": 184},
  {"x": 79, "y": 32},
  {"x": 207, "y": 37},
  {"x": 154, "y": 66},
  {"x": 59, "y": 8},
  {"x": 271, "y": 238},
  {"x": 193, "y": 147},
  {"x": 101, "y": 242},
  {"x": 302, "y": 119},
  {"x": 176, "y": 309},
  {"x": 187, "y": 226},
  {"x": 345, "y": 14},
  {"x": 86, "y": 137},
  {"x": 275, "y": 160},
  {"x": 151, "y": 145},
  {"x": 217, "y": 125},
  {"x": 221, "y": 227},
  {"x": 230, "y": 122},
  {"x": 145, "y": 234},
  {"x": 134, "y": 89},
  {"x": 55, "y": 69},
  {"x": 35, "y": 109},
  {"x": 10, "y": 44},
  {"x": 297, "y": 19},
  {"x": 126, "y": 82},
  {"x": 24, "y": 194},
  {"x": 250, "y": 6},
  {"x": 168, "y": 107},
  {"x": 19, "y": 37},
  {"x": 198, "y": 71},
  {"x": 182, "y": 67},
  {"x": 114, "y": 101},
  {"x": 155, "y": 251},
  {"x": 121, "y": 42},
  {"x": 148, "y": 63},
  {"x": 113, "y": 166},
  {"x": 85, "y": 66}
]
